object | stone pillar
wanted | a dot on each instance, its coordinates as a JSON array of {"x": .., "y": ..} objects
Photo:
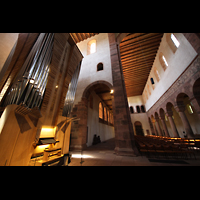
[
  {"x": 172, "y": 124},
  {"x": 151, "y": 126},
  {"x": 158, "y": 125},
  {"x": 79, "y": 128},
  {"x": 185, "y": 121},
  {"x": 124, "y": 136},
  {"x": 154, "y": 127},
  {"x": 162, "y": 118}
]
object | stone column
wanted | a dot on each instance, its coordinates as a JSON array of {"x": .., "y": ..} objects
[
  {"x": 158, "y": 125},
  {"x": 124, "y": 136},
  {"x": 185, "y": 121},
  {"x": 154, "y": 127},
  {"x": 162, "y": 118},
  {"x": 172, "y": 124}
]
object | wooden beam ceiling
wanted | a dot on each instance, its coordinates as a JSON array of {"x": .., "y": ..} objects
[
  {"x": 138, "y": 51},
  {"x": 78, "y": 37}
]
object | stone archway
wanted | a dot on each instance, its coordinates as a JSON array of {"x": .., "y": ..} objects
[
  {"x": 79, "y": 129},
  {"x": 138, "y": 128}
]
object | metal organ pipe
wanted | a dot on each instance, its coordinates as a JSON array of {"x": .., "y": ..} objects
[
  {"x": 69, "y": 99},
  {"x": 31, "y": 80}
]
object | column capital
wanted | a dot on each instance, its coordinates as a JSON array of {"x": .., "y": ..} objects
[
  {"x": 180, "y": 108},
  {"x": 169, "y": 113},
  {"x": 162, "y": 117}
]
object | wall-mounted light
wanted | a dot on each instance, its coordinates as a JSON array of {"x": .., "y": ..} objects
[
  {"x": 111, "y": 91},
  {"x": 47, "y": 132},
  {"x": 56, "y": 86}
]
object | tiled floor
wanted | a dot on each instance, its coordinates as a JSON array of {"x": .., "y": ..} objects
[{"x": 103, "y": 154}]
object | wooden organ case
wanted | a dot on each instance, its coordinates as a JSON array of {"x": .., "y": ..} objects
[{"x": 37, "y": 89}]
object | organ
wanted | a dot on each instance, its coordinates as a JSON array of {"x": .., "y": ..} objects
[{"x": 37, "y": 90}]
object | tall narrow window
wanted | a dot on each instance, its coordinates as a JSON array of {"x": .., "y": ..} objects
[
  {"x": 143, "y": 108},
  {"x": 156, "y": 74},
  {"x": 148, "y": 89},
  {"x": 138, "y": 109},
  {"x": 175, "y": 41},
  {"x": 105, "y": 114},
  {"x": 163, "y": 61},
  {"x": 172, "y": 41},
  {"x": 100, "y": 111},
  {"x": 108, "y": 116},
  {"x": 91, "y": 47},
  {"x": 131, "y": 109}
]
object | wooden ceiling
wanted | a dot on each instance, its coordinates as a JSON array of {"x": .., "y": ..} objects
[
  {"x": 78, "y": 37},
  {"x": 138, "y": 51},
  {"x": 104, "y": 93}
]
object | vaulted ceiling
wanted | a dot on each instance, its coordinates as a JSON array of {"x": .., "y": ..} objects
[{"x": 138, "y": 51}]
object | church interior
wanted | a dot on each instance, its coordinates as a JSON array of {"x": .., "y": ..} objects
[{"x": 73, "y": 99}]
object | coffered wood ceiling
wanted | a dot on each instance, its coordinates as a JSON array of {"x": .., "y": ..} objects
[{"x": 138, "y": 51}]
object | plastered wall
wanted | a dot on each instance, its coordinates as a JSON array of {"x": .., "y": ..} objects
[
  {"x": 141, "y": 117},
  {"x": 88, "y": 73},
  {"x": 94, "y": 126},
  {"x": 177, "y": 63}
]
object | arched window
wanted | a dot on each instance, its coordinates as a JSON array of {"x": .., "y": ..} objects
[
  {"x": 138, "y": 109},
  {"x": 152, "y": 83},
  {"x": 100, "y": 67},
  {"x": 100, "y": 111},
  {"x": 111, "y": 119},
  {"x": 146, "y": 94},
  {"x": 143, "y": 109},
  {"x": 91, "y": 47},
  {"x": 172, "y": 41},
  {"x": 163, "y": 61},
  {"x": 105, "y": 114},
  {"x": 108, "y": 116},
  {"x": 175, "y": 41},
  {"x": 148, "y": 89},
  {"x": 156, "y": 74},
  {"x": 131, "y": 109}
]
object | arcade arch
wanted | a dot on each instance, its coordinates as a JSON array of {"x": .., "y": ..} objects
[{"x": 83, "y": 132}]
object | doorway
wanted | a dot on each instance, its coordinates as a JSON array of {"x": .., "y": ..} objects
[{"x": 138, "y": 128}]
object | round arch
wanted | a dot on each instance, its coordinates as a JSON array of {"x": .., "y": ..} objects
[
  {"x": 180, "y": 98},
  {"x": 138, "y": 128},
  {"x": 95, "y": 85},
  {"x": 196, "y": 90}
]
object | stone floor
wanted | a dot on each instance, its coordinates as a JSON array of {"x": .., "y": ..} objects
[{"x": 103, "y": 154}]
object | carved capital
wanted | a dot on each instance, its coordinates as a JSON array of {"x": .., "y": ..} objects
[
  {"x": 180, "y": 108},
  {"x": 169, "y": 113}
]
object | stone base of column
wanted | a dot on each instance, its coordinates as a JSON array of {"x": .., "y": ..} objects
[
  {"x": 125, "y": 152},
  {"x": 126, "y": 149}
]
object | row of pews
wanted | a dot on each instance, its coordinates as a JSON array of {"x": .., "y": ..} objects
[{"x": 168, "y": 147}]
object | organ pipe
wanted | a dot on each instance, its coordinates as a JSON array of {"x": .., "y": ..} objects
[
  {"x": 29, "y": 85},
  {"x": 69, "y": 99}
]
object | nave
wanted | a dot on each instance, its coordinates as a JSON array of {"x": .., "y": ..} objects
[{"x": 103, "y": 154}]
